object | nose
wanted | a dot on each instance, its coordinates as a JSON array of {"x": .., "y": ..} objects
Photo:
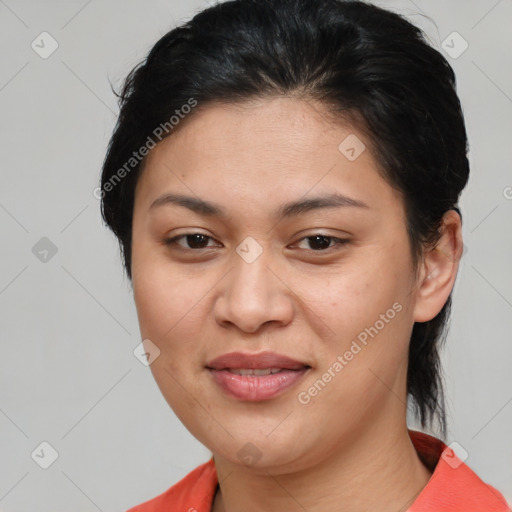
[{"x": 253, "y": 294}]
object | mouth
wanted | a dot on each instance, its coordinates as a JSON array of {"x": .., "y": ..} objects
[
  {"x": 257, "y": 373},
  {"x": 256, "y": 377}
]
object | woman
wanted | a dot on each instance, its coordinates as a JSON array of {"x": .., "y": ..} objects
[{"x": 284, "y": 181}]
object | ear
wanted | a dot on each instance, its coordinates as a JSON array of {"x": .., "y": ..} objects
[{"x": 438, "y": 269}]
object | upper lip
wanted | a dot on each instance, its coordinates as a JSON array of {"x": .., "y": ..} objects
[{"x": 258, "y": 361}]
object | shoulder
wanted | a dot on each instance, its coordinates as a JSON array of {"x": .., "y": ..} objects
[
  {"x": 453, "y": 486},
  {"x": 193, "y": 493}
]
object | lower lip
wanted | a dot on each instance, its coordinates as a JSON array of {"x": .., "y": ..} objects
[{"x": 256, "y": 388}]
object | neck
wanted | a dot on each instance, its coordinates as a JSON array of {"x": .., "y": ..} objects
[{"x": 379, "y": 469}]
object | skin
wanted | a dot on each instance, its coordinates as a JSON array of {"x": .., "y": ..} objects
[{"x": 348, "y": 448}]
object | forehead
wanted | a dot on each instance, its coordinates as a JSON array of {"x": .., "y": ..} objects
[{"x": 263, "y": 152}]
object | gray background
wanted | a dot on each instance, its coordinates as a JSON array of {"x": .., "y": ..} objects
[{"x": 68, "y": 375}]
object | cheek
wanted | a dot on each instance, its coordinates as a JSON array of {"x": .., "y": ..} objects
[
  {"x": 171, "y": 315},
  {"x": 168, "y": 306},
  {"x": 158, "y": 289},
  {"x": 168, "y": 313},
  {"x": 363, "y": 316},
  {"x": 349, "y": 299}
]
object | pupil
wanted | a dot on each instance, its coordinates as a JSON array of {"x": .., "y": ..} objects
[
  {"x": 194, "y": 241},
  {"x": 324, "y": 245}
]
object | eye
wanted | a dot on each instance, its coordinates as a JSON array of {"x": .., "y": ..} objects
[
  {"x": 194, "y": 241},
  {"x": 322, "y": 243}
]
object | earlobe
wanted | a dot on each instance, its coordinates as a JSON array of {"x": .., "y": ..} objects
[{"x": 439, "y": 269}]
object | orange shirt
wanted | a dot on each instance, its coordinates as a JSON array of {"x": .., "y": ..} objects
[{"x": 453, "y": 486}]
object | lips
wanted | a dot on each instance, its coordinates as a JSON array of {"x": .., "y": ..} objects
[
  {"x": 261, "y": 361},
  {"x": 256, "y": 377}
]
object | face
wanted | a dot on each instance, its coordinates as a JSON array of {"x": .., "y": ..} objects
[{"x": 330, "y": 286}]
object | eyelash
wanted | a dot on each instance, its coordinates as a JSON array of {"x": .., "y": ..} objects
[{"x": 338, "y": 242}]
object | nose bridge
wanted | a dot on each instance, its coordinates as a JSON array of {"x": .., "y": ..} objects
[
  {"x": 250, "y": 277},
  {"x": 252, "y": 295}
]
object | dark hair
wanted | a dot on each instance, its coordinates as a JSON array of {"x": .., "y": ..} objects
[{"x": 367, "y": 65}]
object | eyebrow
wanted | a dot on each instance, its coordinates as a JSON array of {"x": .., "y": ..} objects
[{"x": 208, "y": 209}]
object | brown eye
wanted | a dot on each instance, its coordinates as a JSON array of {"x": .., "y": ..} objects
[
  {"x": 322, "y": 243},
  {"x": 193, "y": 241}
]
